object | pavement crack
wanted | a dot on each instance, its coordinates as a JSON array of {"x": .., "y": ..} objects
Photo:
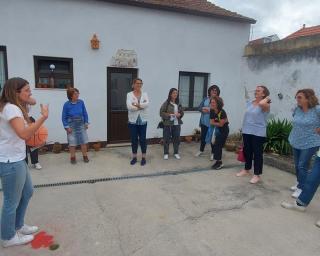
[{"x": 219, "y": 210}]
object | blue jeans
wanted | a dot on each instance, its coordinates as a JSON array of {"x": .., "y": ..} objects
[
  {"x": 302, "y": 159},
  {"x": 311, "y": 184},
  {"x": 17, "y": 191},
  {"x": 138, "y": 134}
]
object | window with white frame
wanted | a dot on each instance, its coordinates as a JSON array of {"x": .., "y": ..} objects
[{"x": 192, "y": 89}]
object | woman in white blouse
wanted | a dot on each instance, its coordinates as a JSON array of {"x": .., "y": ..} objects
[{"x": 137, "y": 104}]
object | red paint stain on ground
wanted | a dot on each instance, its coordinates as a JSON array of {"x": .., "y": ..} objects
[{"x": 42, "y": 240}]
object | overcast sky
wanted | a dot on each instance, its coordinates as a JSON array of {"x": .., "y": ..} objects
[{"x": 281, "y": 17}]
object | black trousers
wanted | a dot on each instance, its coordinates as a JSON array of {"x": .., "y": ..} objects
[
  {"x": 34, "y": 155},
  {"x": 219, "y": 144},
  {"x": 253, "y": 151}
]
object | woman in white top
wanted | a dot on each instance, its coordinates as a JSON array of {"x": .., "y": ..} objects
[
  {"x": 15, "y": 128},
  {"x": 137, "y": 104}
]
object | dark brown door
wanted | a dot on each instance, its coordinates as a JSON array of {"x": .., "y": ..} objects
[{"x": 119, "y": 84}]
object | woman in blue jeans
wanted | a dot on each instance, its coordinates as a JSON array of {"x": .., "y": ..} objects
[
  {"x": 304, "y": 137},
  {"x": 15, "y": 128},
  {"x": 311, "y": 185},
  {"x": 137, "y": 104}
]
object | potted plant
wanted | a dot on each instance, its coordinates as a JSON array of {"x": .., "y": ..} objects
[
  {"x": 188, "y": 139},
  {"x": 56, "y": 148},
  {"x": 96, "y": 146},
  {"x": 197, "y": 134}
]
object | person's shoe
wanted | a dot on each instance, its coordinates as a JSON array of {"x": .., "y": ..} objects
[
  {"x": 211, "y": 157},
  {"x": 143, "y": 161},
  {"x": 28, "y": 230},
  {"x": 255, "y": 179},
  {"x": 18, "y": 239},
  {"x": 242, "y": 173},
  {"x": 85, "y": 159},
  {"x": 294, "y": 188},
  {"x": 296, "y": 193},
  {"x": 166, "y": 157},
  {"x": 133, "y": 161},
  {"x": 199, "y": 153},
  {"x": 177, "y": 156},
  {"x": 318, "y": 224},
  {"x": 37, "y": 166},
  {"x": 73, "y": 160},
  {"x": 217, "y": 165},
  {"x": 293, "y": 206}
]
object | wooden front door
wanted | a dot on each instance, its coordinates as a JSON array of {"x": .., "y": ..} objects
[{"x": 119, "y": 84}]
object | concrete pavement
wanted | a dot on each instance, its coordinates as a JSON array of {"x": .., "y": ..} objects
[{"x": 204, "y": 212}]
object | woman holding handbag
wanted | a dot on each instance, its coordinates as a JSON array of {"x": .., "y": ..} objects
[{"x": 171, "y": 113}]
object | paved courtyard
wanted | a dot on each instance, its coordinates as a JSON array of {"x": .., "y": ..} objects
[{"x": 174, "y": 207}]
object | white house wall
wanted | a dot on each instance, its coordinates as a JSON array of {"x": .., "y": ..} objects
[
  {"x": 285, "y": 75},
  {"x": 165, "y": 42}
]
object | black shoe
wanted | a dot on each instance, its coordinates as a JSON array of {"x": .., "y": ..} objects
[
  {"x": 143, "y": 161},
  {"x": 217, "y": 166},
  {"x": 133, "y": 161}
]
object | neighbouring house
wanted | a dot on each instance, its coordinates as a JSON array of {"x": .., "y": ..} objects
[
  {"x": 285, "y": 66},
  {"x": 99, "y": 46},
  {"x": 265, "y": 40}
]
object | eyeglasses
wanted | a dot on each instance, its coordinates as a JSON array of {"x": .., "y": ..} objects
[{"x": 298, "y": 97}]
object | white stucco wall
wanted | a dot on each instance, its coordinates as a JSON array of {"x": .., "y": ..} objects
[
  {"x": 166, "y": 43},
  {"x": 283, "y": 74}
]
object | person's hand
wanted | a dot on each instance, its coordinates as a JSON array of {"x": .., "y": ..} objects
[
  {"x": 178, "y": 115},
  {"x": 318, "y": 130},
  {"x": 44, "y": 110},
  {"x": 205, "y": 110},
  {"x": 86, "y": 126},
  {"x": 69, "y": 130}
]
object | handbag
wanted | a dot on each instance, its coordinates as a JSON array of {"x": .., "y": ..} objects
[
  {"x": 240, "y": 156},
  {"x": 160, "y": 125}
]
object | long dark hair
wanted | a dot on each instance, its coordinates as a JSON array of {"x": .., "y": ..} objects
[
  {"x": 9, "y": 94},
  {"x": 169, "y": 96}
]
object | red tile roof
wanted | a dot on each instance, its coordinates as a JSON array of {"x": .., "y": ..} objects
[
  {"x": 196, "y": 7},
  {"x": 305, "y": 32}
]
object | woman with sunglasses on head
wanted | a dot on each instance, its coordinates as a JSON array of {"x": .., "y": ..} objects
[
  {"x": 204, "y": 109},
  {"x": 15, "y": 129}
]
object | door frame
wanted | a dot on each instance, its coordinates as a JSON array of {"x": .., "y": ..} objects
[{"x": 109, "y": 71}]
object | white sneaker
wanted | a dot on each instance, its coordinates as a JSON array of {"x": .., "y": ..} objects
[
  {"x": 211, "y": 157},
  {"x": 199, "y": 153},
  {"x": 296, "y": 193},
  {"x": 294, "y": 188},
  {"x": 28, "y": 230},
  {"x": 18, "y": 239},
  {"x": 37, "y": 166},
  {"x": 177, "y": 156},
  {"x": 166, "y": 157},
  {"x": 293, "y": 206}
]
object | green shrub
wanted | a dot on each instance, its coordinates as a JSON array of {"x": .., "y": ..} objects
[{"x": 277, "y": 137}]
